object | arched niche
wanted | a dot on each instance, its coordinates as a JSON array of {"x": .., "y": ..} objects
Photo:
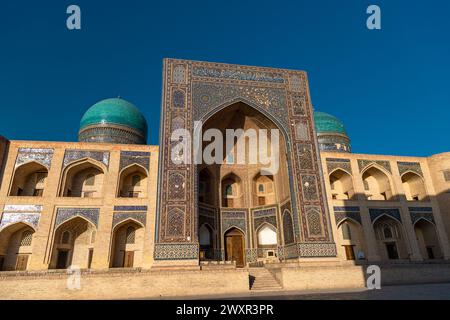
[
  {"x": 390, "y": 238},
  {"x": 133, "y": 182},
  {"x": 29, "y": 180},
  {"x": 83, "y": 179},
  {"x": 232, "y": 193},
  {"x": 351, "y": 238},
  {"x": 127, "y": 245},
  {"x": 264, "y": 192},
  {"x": 16, "y": 246},
  {"x": 341, "y": 185},
  {"x": 377, "y": 184},
  {"x": 73, "y": 244},
  {"x": 414, "y": 187},
  {"x": 427, "y": 239}
]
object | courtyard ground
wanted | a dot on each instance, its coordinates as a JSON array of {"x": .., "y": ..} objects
[{"x": 439, "y": 291}]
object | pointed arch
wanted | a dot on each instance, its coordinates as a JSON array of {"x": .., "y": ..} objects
[
  {"x": 29, "y": 179},
  {"x": 126, "y": 221},
  {"x": 267, "y": 235},
  {"x": 254, "y": 106},
  {"x": 377, "y": 182},
  {"x": 127, "y": 186},
  {"x": 127, "y": 242},
  {"x": 16, "y": 246},
  {"x": 427, "y": 238},
  {"x": 348, "y": 219},
  {"x": 73, "y": 180},
  {"x": 78, "y": 249},
  {"x": 413, "y": 186},
  {"x": 341, "y": 184}
]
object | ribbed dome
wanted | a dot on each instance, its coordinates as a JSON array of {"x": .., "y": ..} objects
[
  {"x": 326, "y": 123},
  {"x": 113, "y": 120}
]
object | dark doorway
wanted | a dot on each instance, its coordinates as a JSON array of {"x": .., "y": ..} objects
[
  {"x": 2, "y": 260},
  {"x": 61, "y": 262},
  {"x": 234, "y": 247},
  {"x": 430, "y": 252},
  {"x": 392, "y": 251}
]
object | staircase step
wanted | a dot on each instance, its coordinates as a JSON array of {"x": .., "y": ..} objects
[{"x": 262, "y": 279}]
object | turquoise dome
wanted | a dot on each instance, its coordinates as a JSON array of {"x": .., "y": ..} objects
[
  {"x": 326, "y": 123},
  {"x": 113, "y": 121},
  {"x": 115, "y": 111}
]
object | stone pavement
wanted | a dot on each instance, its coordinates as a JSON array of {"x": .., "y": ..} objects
[{"x": 439, "y": 291}]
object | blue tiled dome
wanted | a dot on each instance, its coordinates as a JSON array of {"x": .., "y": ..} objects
[
  {"x": 326, "y": 123},
  {"x": 113, "y": 120}
]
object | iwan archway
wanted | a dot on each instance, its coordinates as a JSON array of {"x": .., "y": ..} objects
[{"x": 221, "y": 95}]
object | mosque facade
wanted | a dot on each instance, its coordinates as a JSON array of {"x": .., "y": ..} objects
[{"x": 112, "y": 201}]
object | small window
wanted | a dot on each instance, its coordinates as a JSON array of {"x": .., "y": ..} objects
[
  {"x": 387, "y": 231},
  {"x": 131, "y": 235},
  {"x": 26, "y": 238},
  {"x": 229, "y": 190},
  {"x": 261, "y": 188},
  {"x": 136, "y": 181},
  {"x": 90, "y": 180},
  {"x": 65, "y": 237}
]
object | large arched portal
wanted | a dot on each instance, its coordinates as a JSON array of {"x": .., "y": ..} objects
[
  {"x": 199, "y": 96},
  {"x": 250, "y": 170}
]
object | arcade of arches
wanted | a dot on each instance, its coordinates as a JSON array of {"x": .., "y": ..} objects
[{"x": 112, "y": 201}]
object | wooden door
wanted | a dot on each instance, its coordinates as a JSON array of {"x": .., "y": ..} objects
[
  {"x": 22, "y": 262},
  {"x": 234, "y": 241},
  {"x": 128, "y": 259},
  {"x": 349, "y": 252}
]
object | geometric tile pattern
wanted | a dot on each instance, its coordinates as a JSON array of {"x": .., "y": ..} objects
[
  {"x": 128, "y": 158},
  {"x": 64, "y": 214},
  {"x": 42, "y": 156},
  {"x": 409, "y": 166},
  {"x": 75, "y": 154},
  {"x": 279, "y": 94},
  {"x": 376, "y": 212},
  {"x": 363, "y": 164}
]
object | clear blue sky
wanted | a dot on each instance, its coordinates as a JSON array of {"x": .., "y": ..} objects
[{"x": 391, "y": 88}]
